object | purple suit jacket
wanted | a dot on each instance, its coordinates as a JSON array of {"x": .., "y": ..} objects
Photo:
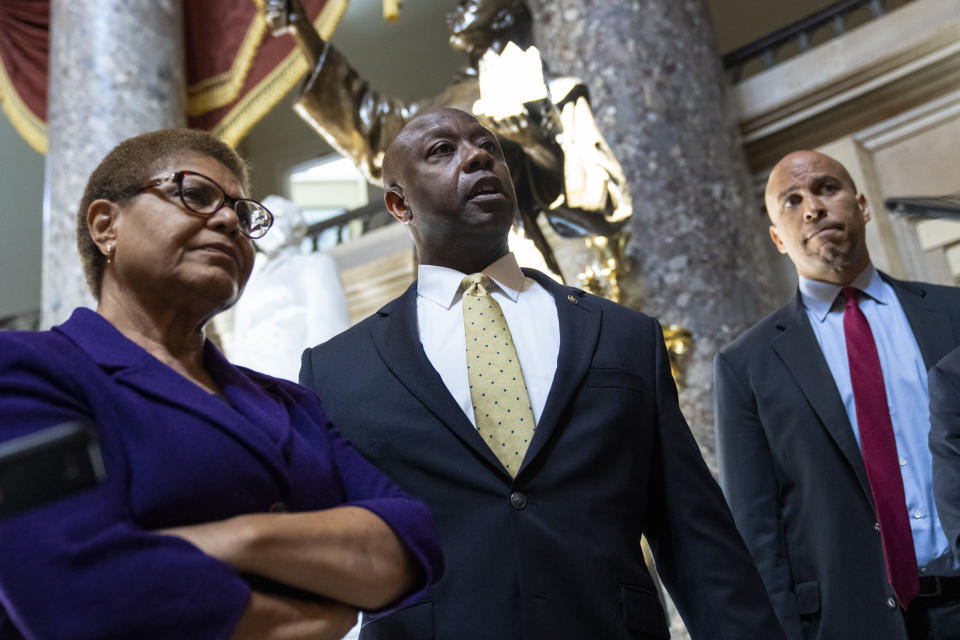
[{"x": 90, "y": 566}]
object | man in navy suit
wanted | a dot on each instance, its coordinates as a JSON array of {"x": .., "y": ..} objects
[
  {"x": 822, "y": 434},
  {"x": 542, "y": 542}
]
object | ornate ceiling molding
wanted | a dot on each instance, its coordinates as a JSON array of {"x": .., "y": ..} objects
[{"x": 865, "y": 79}]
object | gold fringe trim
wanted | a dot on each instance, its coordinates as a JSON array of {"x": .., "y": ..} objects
[
  {"x": 269, "y": 91},
  {"x": 30, "y": 127},
  {"x": 216, "y": 91},
  {"x": 326, "y": 23}
]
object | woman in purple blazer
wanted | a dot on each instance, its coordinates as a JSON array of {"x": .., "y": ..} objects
[{"x": 217, "y": 477}]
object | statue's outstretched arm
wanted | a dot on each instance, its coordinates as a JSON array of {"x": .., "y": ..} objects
[
  {"x": 353, "y": 118},
  {"x": 289, "y": 16}
]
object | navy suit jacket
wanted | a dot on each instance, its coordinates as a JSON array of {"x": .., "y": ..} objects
[
  {"x": 555, "y": 553},
  {"x": 90, "y": 566},
  {"x": 793, "y": 474},
  {"x": 945, "y": 443}
]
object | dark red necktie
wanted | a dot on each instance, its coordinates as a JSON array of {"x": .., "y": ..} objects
[{"x": 879, "y": 450}]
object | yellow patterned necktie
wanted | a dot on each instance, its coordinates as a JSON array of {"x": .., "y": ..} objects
[{"x": 500, "y": 401}]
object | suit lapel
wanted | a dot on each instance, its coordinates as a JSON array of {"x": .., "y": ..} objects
[
  {"x": 397, "y": 341},
  {"x": 799, "y": 350},
  {"x": 579, "y": 330},
  {"x": 132, "y": 366},
  {"x": 931, "y": 326}
]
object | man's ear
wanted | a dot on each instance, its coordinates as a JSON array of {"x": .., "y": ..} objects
[
  {"x": 864, "y": 207},
  {"x": 396, "y": 204},
  {"x": 102, "y": 224},
  {"x": 777, "y": 240}
]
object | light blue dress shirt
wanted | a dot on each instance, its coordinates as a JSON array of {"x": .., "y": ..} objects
[{"x": 905, "y": 381}]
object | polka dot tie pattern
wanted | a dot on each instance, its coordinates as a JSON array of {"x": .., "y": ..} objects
[{"x": 500, "y": 401}]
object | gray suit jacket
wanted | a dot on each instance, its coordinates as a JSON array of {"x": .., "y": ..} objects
[{"x": 793, "y": 474}]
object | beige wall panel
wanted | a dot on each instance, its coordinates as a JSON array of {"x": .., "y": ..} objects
[
  {"x": 371, "y": 285},
  {"x": 936, "y": 234},
  {"x": 375, "y": 268},
  {"x": 923, "y": 164}
]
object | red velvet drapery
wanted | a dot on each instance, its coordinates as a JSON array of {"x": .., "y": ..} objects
[
  {"x": 236, "y": 70},
  {"x": 24, "y": 55}
]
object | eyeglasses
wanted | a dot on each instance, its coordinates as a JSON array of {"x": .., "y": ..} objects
[{"x": 201, "y": 195}]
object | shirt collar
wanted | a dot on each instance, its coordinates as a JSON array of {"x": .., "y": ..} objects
[
  {"x": 441, "y": 285},
  {"x": 819, "y": 297}
]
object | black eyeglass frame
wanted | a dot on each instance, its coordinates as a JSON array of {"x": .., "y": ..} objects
[{"x": 177, "y": 178}]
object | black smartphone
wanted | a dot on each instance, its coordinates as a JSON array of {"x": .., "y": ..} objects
[{"x": 48, "y": 464}]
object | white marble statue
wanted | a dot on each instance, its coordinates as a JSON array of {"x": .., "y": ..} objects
[{"x": 293, "y": 300}]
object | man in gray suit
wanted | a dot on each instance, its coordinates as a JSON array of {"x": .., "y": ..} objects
[{"x": 822, "y": 427}]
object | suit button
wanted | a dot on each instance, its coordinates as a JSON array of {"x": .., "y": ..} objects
[
  {"x": 279, "y": 507},
  {"x": 518, "y": 500},
  {"x": 891, "y": 602},
  {"x": 876, "y": 527}
]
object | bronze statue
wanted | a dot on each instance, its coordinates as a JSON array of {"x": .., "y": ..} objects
[{"x": 560, "y": 163}]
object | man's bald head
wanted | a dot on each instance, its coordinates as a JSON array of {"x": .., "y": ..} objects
[
  {"x": 817, "y": 217},
  {"x": 791, "y": 166}
]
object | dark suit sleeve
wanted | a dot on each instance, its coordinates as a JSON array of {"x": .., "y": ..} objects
[
  {"x": 945, "y": 444},
  {"x": 368, "y": 487},
  {"x": 80, "y": 567},
  {"x": 749, "y": 482},
  {"x": 306, "y": 370},
  {"x": 699, "y": 554}
]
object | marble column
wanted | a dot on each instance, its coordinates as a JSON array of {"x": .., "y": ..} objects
[
  {"x": 699, "y": 252},
  {"x": 116, "y": 70}
]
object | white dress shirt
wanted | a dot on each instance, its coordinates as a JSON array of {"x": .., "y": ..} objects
[{"x": 531, "y": 314}]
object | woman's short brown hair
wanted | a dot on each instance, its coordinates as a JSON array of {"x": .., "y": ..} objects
[{"x": 129, "y": 166}]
